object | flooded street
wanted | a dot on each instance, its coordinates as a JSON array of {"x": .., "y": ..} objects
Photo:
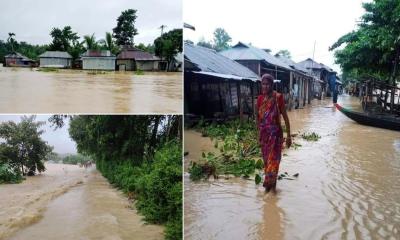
[
  {"x": 68, "y": 202},
  {"x": 348, "y": 188},
  {"x": 23, "y": 90}
]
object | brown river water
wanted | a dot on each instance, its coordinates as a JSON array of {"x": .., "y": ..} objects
[
  {"x": 23, "y": 90},
  {"x": 348, "y": 188},
  {"x": 68, "y": 202}
]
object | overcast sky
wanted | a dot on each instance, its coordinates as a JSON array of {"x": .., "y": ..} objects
[
  {"x": 283, "y": 24},
  {"x": 32, "y": 21},
  {"x": 59, "y": 138}
]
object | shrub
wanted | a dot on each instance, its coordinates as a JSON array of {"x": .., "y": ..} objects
[{"x": 9, "y": 175}]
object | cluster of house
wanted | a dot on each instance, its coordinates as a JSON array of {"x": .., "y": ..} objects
[
  {"x": 227, "y": 83},
  {"x": 129, "y": 59}
]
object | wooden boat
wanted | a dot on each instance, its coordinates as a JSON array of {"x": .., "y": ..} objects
[{"x": 374, "y": 120}]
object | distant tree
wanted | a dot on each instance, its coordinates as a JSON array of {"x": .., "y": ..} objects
[
  {"x": 62, "y": 39},
  {"x": 23, "y": 146},
  {"x": 109, "y": 44},
  {"x": 11, "y": 40},
  {"x": 221, "y": 39},
  {"x": 169, "y": 44},
  {"x": 283, "y": 53},
  {"x": 125, "y": 31},
  {"x": 203, "y": 43},
  {"x": 189, "y": 41},
  {"x": 148, "y": 48},
  {"x": 91, "y": 43}
]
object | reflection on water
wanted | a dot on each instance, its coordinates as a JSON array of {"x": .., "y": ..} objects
[
  {"x": 348, "y": 188},
  {"x": 72, "y": 91}
]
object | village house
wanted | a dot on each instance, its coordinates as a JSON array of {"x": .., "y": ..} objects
[
  {"x": 16, "y": 59},
  {"x": 291, "y": 81},
  {"x": 325, "y": 75},
  {"x": 55, "y": 59},
  {"x": 132, "y": 59},
  {"x": 98, "y": 60},
  {"x": 216, "y": 86}
]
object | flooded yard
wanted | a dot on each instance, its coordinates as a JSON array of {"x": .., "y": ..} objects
[
  {"x": 24, "y": 90},
  {"x": 348, "y": 188}
]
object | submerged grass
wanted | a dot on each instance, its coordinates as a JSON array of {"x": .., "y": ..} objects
[
  {"x": 48, "y": 69},
  {"x": 239, "y": 150}
]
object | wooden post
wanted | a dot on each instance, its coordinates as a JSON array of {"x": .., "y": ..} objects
[{"x": 290, "y": 91}]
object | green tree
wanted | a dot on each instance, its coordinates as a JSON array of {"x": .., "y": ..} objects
[
  {"x": 22, "y": 145},
  {"x": 221, "y": 39},
  {"x": 169, "y": 44},
  {"x": 62, "y": 38},
  {"x": 91, "y": 43},
  {"x": 125, "y": 31},
  {"x": 148, "y": 48},
  {"x": 203, "y": 43},
  {"x": 11, "y": 40},
  {"x": 109, "y": 44},
  {"x": 284, "y": 53}
]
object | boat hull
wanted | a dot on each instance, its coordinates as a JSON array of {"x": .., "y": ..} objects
[{"x": 371, "y": 120}]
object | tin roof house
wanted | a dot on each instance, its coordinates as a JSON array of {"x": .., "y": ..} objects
[
  {"x": 16, "y": 59},
  {"x": 98, "y": 60},
  {"x": 131, "y": 59},
  {"x": 293, "y": 82},
  {"x": 216, "y": 86},
  {"x": 55, "y": 59}
]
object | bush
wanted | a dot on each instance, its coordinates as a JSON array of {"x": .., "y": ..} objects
[
  {"x": 157, "y": 185},
  {"x": 9, "y": 175}
]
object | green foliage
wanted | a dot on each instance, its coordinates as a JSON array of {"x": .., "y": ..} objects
[
  {"x": 203, "y": 43},
  {"x": 91, "y": 43},
  {"x": 139, "y": 72},
  {"x": 257, "y": 179},
  {"x": 169, "y": 44},
  {"x": 141, "y": 155},
  {"x": 221, "y": 39},
  {"x": 311, "y": 136},
  {"x": 62, "y": 38},
  {"x": 76, "y": 159},
  {"x": 22, "y": 147},
  {"x": 125, "y": 31},
  {"x": 28, "y": 50},
  {"x": 47, "y": 69},
  {"x": 284, "y": 53},
  {"x": 371, "y": 50},
  {"x": 9, "y": 175},
  {"x": 149, "y": 48}
]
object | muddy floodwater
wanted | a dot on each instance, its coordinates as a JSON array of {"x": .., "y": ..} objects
[
  {"x": 348, "y": 188},
  {"x": 24, "y": 90},
  {"x": 68, "y": 202}
]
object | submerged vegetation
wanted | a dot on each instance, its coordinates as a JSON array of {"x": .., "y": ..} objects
[
  {"x": 141, "y": 155},
  {"x": 238, "y": 150}
]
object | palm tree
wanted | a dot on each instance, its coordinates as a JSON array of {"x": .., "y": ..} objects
[
  {"x": 90, "y": 41},
  {"x": 11, "y": 40}
]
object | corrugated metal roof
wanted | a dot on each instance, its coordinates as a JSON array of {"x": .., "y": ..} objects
[
  {"x": 137, "y": 54},
  {"x": 309, "y": 63},
  {"x": 95, "y": 53},
  {"x": 55, "y": 54},
  {"x": 208, "y": 60},
  {"x": 293, "y": 64},
  {"x": 243, "y": 51},
  {"x": 17, "y": 55}
]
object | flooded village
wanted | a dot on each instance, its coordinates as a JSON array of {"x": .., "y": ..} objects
[
  {"x": 82, "y": 74},
  {"x": 340, "y": 177}
]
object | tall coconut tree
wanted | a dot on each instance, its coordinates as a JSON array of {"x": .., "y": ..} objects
[{"x": 90, "y": 42}]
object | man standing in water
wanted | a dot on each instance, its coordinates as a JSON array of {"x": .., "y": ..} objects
[{"x": 270, "y": 106}]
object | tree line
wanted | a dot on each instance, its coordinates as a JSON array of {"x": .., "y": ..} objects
[{"x": 65, "y": 39}]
